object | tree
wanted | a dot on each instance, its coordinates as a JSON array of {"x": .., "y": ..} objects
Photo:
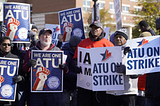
[
  {"x": 150, "y": 12},
  {"x": 105, "y": 19}
]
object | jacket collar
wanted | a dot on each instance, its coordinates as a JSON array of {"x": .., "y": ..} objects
[{"x": 98, "y": 39}]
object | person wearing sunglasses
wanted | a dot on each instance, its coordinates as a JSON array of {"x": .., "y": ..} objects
[{"x": 5, "y": 51}]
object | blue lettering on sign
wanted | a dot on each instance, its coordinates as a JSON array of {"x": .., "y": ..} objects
[
  {"x": 140, "y": 52},
  {"x": 143, "y": 63}
]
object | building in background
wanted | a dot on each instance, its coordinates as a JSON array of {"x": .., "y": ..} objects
[{"x": 46, "y": 11}]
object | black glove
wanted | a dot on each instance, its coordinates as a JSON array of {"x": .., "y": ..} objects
[
  {"x": 18, "y": 78},
  {"x": 121, "y": 69},
  {"x": 31, "y": 63},
  {"x": 63, "y": 66},
  {"x": 126, "y": 50},
  {"x": 78, "y": 69}
]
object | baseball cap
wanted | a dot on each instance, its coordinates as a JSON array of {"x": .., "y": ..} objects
[
  {"x": 97, "y": 24},
  {"x": 42, "y": 31}
]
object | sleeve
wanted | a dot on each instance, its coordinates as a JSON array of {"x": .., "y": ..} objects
[{"x": 27, "y": 57}]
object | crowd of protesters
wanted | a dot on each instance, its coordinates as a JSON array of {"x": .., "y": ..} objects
[{"x": 139, "y": 90}]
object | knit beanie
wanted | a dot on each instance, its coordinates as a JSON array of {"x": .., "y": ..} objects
[
  {"x": 123, "y": 32},
  {"x": 157, "y": 21},
  {"x": 34, "y": 27},
  {"x": 74, "y": 41}
]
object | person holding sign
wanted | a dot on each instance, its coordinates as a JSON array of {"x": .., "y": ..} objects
[
  {"x": 152, "y": 89},
  {"x": 96, "y": 39},
  {"x": 127, "y": 96},
  {"x": 5, "y": 51},
  {"x": 44, "y": 43}
]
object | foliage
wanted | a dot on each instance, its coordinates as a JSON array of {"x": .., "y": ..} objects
[
  {"x": 105, "y": 18},
  {"x": 150, "y": 12}
]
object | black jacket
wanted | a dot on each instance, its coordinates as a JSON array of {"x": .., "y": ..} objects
[
  {"x": 70, "y": 78},
  {"x": 152, "y": 89},
  {"x": 8, "y": 55}
]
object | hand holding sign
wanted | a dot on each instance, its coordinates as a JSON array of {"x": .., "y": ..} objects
[
  {"x": 12, "y": 27},
  {"x": 1, "y": 80}
]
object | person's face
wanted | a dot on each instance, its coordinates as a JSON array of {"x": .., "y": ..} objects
[
  {"x": 96, "y": 31},
  {"x": 119, "y": 40},
  {"x": 45, "y": 39},
  {"x": 5, "y": 46},
  {"x": 36, "y": 31}
]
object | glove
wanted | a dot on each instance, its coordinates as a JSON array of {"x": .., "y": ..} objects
[
  {"x": 3, "y": 29},
  {"x": 18, "y": 78},
  {"x": 78, "y": 69},
  {"x": 63, "y": 66},
  {"x": 126, "y": 50},
  {"x": 32, "y": 35},
  {"x": 31, "y": 63},
  {"x": 121, "y": 69}
]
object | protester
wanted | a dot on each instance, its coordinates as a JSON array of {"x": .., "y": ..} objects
[
  {"x": 141, "y": 100},
  {"x": 33, "y": 34},
  {"x": 70, "y": 78},
  {"x": 158, "y": 24},
  {"x": 152, "y": 89},
  {"x": 44, "y": 43},
  {"x": 5, "y": 51},
  {"x": 145, "y": 27},
  {"x": 96, "y": 39},
  {"x": 127, "y": 96}
]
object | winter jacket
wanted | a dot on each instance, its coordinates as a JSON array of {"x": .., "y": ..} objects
[
  {"x": 152, "y": 89},
  {"x": 130, "y": 84},
  {"x": 142, "y": 82},
  {"x": 91, "y": 43},
  {"x": 8, "y": 55},
  {"x": 70, "y": 78},
  {"x": 27, "y": 69}
]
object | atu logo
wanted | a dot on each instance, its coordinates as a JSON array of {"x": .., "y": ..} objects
[
  {"x": 141, "y": 43},
  {"x": 106, "y": 55},
  {"x": 56, "y": 29}
]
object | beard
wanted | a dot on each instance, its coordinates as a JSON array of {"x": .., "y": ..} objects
[{"x": 45, "y": 43}]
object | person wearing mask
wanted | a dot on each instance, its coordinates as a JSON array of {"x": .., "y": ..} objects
[
  {"x": 126, "y": 97},
  {"x": 96, "y": 39}
]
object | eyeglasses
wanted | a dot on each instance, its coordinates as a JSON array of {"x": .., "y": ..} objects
[{"x": 5, "y": 44}]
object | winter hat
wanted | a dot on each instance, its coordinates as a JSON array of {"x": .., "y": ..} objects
[
  {"x": 42, "y": 31},
  {"x": 34, "y": 27},
  {"x": 157, "y": 21},
  {"x": 112, "y": 38},
  {"x": 97, "y": 24},
  {"x": 74, "y": 41},
  {"x": 123, "y": 32},
  {"x": 145, "y": 34},
  {"x": 143, "y": 23}
]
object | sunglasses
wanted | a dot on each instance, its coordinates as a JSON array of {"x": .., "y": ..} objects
[{"x": 5, "y": 44}]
